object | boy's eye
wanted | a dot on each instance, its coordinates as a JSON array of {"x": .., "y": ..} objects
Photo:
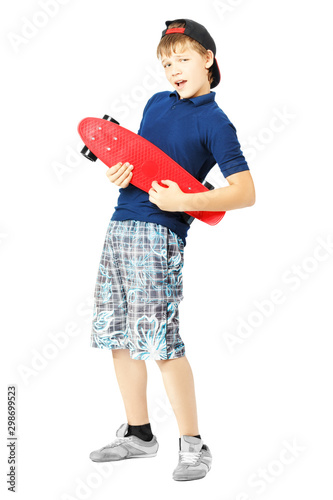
[{"x": 167, "y": 64}]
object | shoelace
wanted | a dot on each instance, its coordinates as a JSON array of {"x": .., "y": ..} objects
[
  {"x": 189, "y": 457},
  {"x": 117, "y": 441}
]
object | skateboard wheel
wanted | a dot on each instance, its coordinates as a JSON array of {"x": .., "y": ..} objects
[
  {"x": 208, "y": 185},
  {"x": 188, "y": 218},
  {"x": 110, "y": 119},
  {"x": 85, "y": 151},
  {"x": 88, "y": 154}
]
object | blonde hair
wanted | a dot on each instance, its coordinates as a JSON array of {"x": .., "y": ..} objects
[{"x": 172, "y": 41}]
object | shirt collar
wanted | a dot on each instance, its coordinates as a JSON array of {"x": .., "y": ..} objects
[{"x": 197, "y": 101}]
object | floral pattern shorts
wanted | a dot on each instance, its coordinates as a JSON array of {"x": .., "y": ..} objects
[{"x": 138, "y": 290}]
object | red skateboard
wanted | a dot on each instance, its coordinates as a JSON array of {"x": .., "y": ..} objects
[{"x": 107, "y": 140}]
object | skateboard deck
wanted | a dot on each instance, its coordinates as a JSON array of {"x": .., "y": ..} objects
[{"x": 111, "y": 143}]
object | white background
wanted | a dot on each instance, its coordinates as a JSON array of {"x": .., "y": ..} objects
[{"x": 270, "y": 385}]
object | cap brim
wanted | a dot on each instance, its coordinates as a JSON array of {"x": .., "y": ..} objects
[{"x": 216, "y": 74}]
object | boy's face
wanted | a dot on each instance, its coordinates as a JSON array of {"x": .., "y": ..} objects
[{"x": 191, "y": 67}]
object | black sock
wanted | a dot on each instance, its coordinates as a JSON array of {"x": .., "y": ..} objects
[{"x": 141, "y": 431}]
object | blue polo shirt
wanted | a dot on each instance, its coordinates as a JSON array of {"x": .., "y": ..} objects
[{"x": 195, "y": 133}]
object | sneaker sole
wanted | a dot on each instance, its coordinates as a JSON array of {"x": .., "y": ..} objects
[
  {"x": 124, "y": 458},
  {"x": 188, "y": 478}
]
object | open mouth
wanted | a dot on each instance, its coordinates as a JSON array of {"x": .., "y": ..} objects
[{"x": 181, "y": 83}]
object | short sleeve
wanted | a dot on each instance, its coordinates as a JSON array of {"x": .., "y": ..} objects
[
  {"x": 144, "y": 112},
  {"x": 224, "y": 146}
]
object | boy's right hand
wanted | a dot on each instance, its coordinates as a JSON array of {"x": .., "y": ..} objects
[{"x": 120, "y": 174}]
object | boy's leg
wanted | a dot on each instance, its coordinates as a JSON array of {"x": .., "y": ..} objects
[
  {"x": 132, "y": 380},
  {"x": 179, "y": 385}
]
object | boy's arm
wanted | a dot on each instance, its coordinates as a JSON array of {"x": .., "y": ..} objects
[{"x": 239, "y": 194}]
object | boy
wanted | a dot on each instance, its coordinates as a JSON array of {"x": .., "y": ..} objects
[{"x": 139, "y": 285}]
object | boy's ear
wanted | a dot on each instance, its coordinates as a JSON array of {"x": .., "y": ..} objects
[{"x": 209, "y": 59}]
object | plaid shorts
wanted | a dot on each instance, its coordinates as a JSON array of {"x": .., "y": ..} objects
[{"x": 138, "y": 289}]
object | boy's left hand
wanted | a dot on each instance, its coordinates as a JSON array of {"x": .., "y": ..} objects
[{"x": 169, "y": 198}]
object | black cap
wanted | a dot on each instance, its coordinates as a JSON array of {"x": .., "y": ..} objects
[{"x": 200, "y": 34}]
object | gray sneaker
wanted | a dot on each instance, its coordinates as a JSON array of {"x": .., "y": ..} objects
[
  {"x": 195, "y": 459},
  {"x": 125, "y": 447}
]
